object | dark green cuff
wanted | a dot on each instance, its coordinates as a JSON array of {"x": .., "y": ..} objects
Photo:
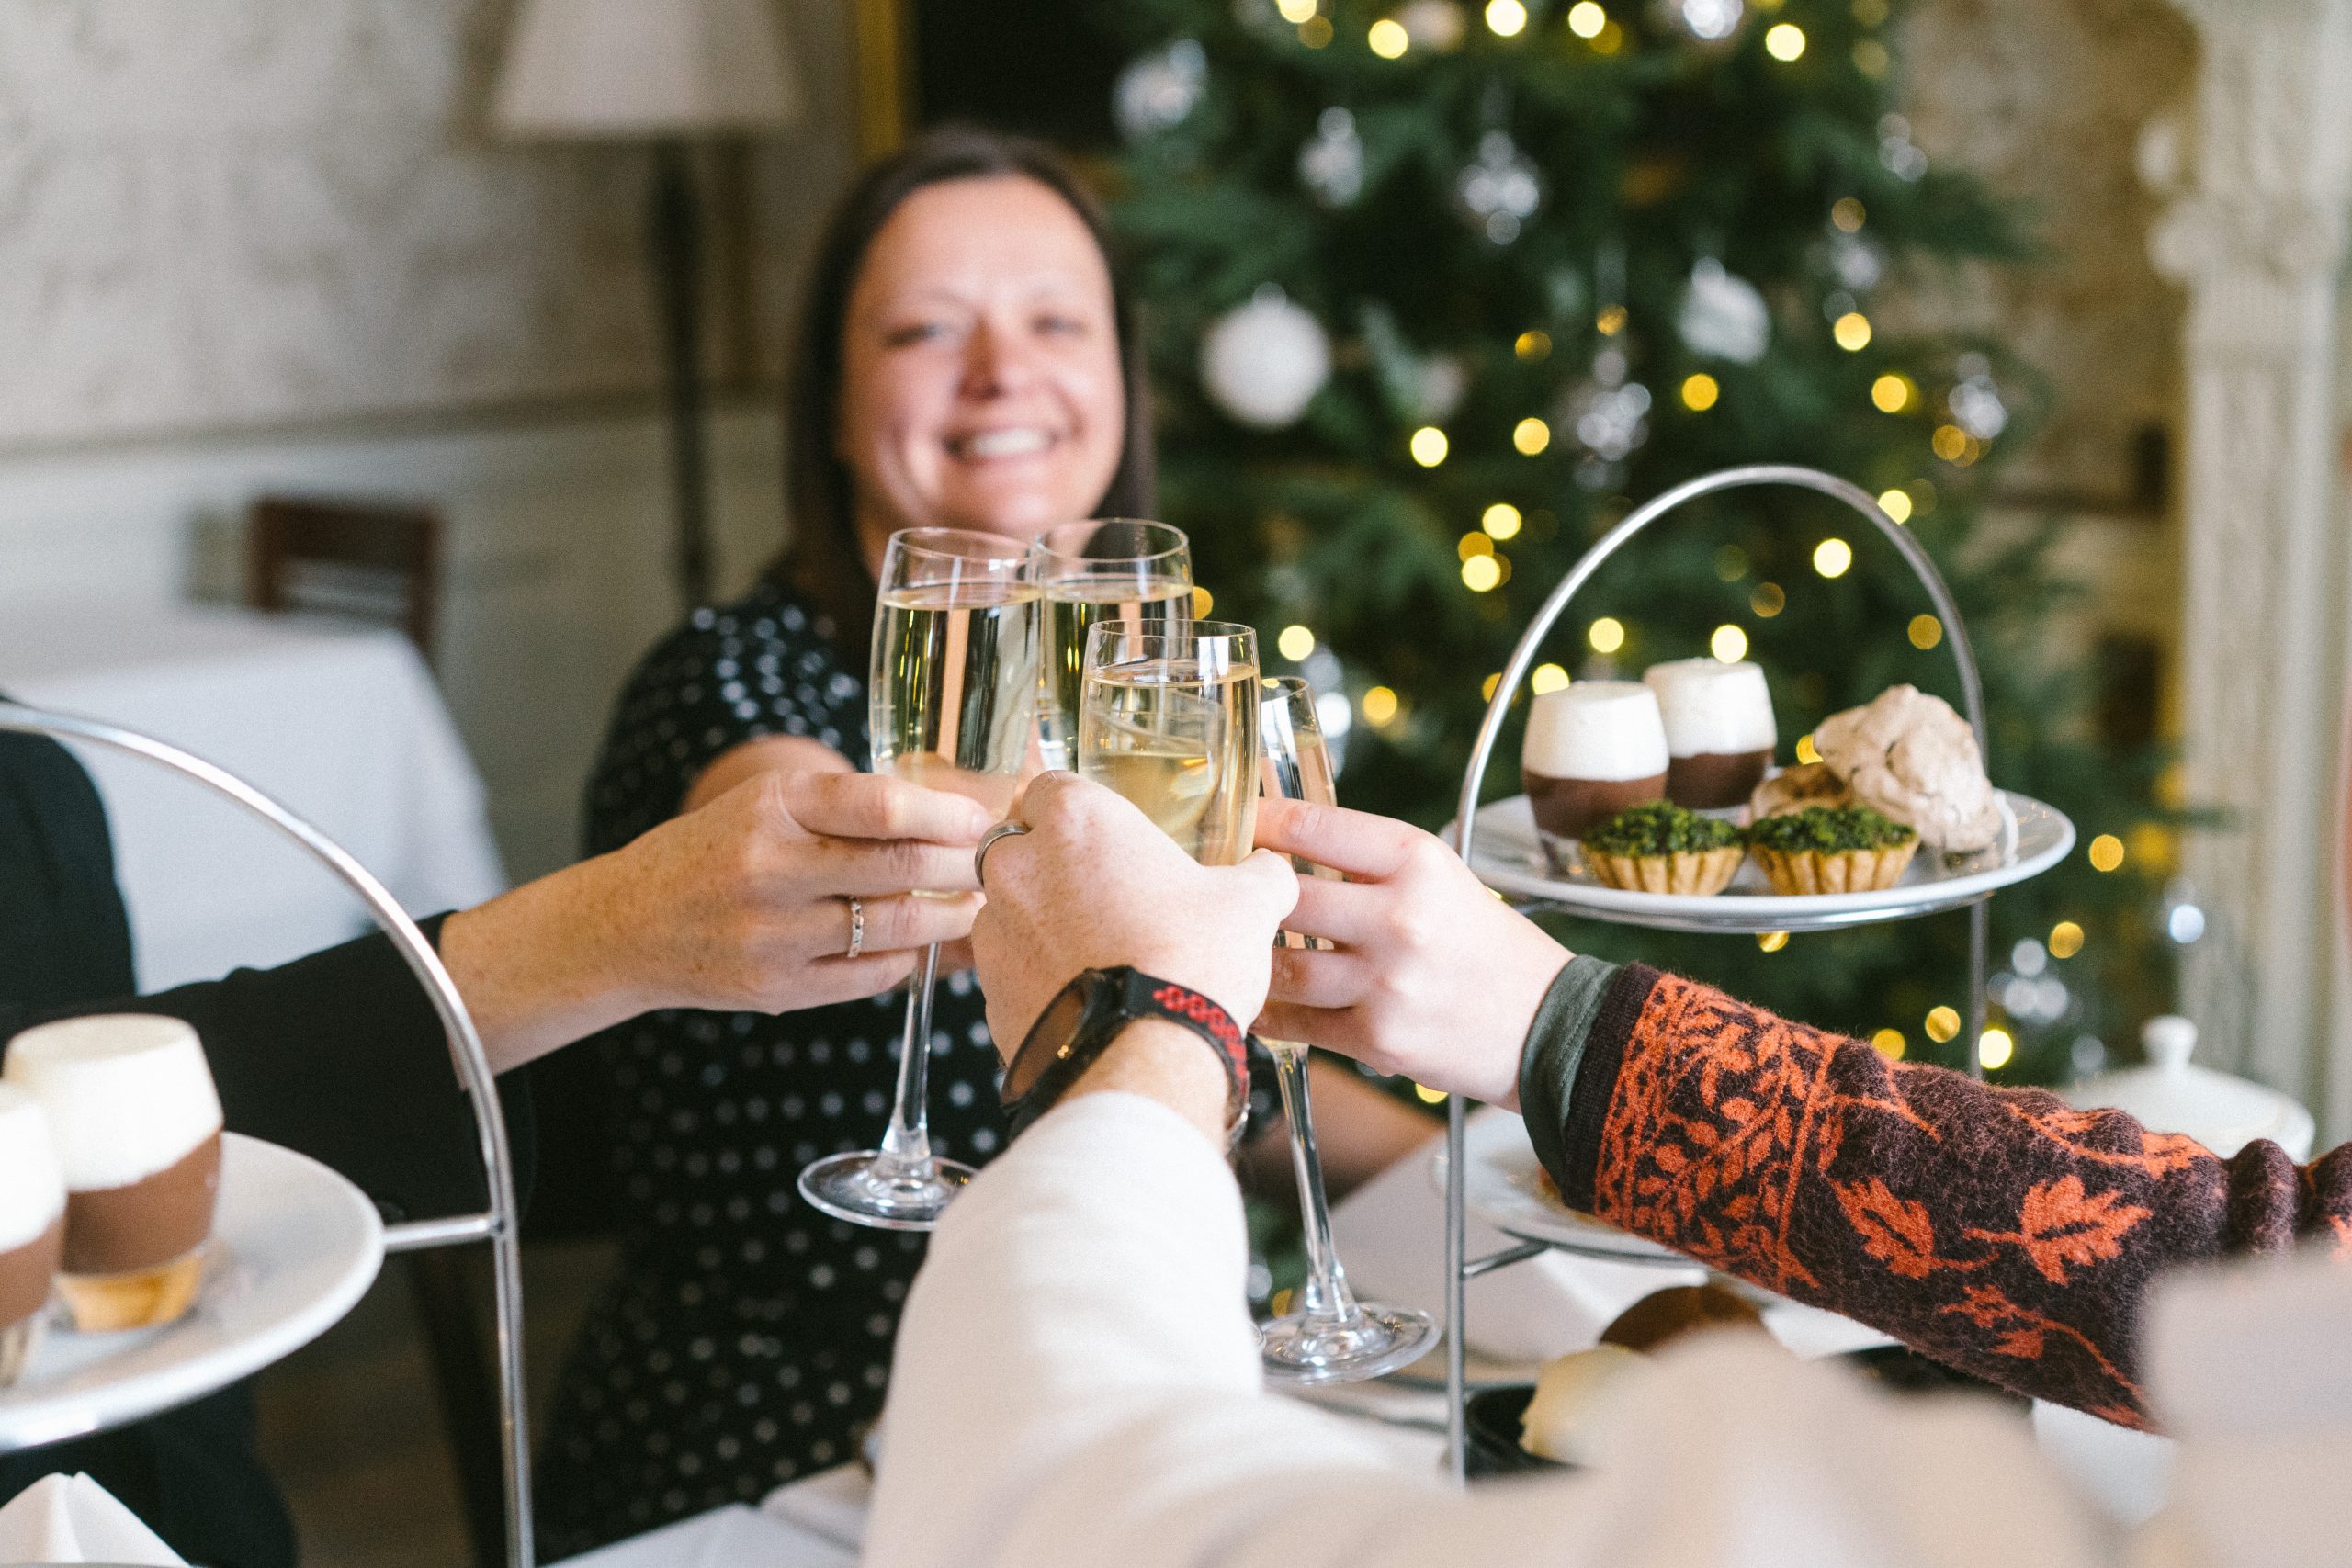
[{"x": 1554, "y": 1049}]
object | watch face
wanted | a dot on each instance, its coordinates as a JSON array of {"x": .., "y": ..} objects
[{"x": 1058, "y": 1025}]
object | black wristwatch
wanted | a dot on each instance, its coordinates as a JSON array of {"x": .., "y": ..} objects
[{"x": 1081, "y": 1022}]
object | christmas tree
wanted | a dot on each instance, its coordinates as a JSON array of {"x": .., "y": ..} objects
[{"x": 1435, "y": 294}]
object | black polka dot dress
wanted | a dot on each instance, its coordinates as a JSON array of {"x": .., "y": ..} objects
[{"x": 746, "y": 1335}]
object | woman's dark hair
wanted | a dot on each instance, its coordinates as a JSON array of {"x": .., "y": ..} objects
[{"x": 823, "y": 563}]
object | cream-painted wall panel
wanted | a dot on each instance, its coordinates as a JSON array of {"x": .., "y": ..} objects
[{"x": 556, "y": 578}]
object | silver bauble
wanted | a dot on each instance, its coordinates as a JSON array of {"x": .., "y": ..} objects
[{"x": 1158, "y": 91}]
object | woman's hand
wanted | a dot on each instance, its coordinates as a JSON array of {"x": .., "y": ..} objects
[
  {"x": 741, "y": 905},
  {"x": 1093, "y": 885},
  {"x": 1431, "y": 976}
]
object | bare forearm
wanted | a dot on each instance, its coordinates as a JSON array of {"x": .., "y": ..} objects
[
  {"x": 1168, "y": 1063},
  {"x": 545, "y": 964}
]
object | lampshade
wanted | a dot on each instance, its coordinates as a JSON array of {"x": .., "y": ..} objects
[{"x": 629, "y": 69}]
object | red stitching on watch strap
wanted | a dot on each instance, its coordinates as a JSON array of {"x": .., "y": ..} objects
[{"x": 1185, "y": 1002}]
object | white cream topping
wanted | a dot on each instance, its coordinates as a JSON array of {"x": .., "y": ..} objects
[
  {"x": 1712, "y": 707},
  {"x": 32, "y": 1191},
  {"x": 127, "y": 1094},
  {"x": 1595, "y": 730}
]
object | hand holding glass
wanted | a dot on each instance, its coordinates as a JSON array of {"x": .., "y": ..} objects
[
  {"x": 952, "y": 699},
  {"x": 1332, "y": 1337}
]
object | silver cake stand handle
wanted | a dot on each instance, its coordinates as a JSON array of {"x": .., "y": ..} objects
[
  {"x": 1458, "y": 1268},
  {"x": 498, "y": 1224}
]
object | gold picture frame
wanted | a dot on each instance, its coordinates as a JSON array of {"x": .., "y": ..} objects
[{"x": 884, "y": 76}]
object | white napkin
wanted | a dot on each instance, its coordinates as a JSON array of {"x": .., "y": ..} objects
[
  {"x": 72, "y": 1518},
  {"x": 831, "y": 1503},
  {"x": 732, "y": 1537}
]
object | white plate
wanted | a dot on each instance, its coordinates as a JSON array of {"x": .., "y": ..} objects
[
  {"x": 294, "y": 1246},
  {"x": 1508, "y": 857},
  {"x": 1504, "y": 1189}
]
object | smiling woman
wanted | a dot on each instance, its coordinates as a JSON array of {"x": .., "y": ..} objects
[
  {"x": 967, "y": 358},
  {"x": 963, "y": 362}
]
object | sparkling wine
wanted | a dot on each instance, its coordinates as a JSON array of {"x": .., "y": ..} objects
[
  {"x": 955, "y": 687},
  {"x": 1073, "y": 608},
  {"x": 1182, "y": 744}
]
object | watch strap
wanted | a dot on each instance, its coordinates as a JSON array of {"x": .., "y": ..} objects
[{"x": 1088, "y": 1015}]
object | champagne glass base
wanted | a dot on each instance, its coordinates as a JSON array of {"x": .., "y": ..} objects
[
  {"x": 1304, "y": 1352},
  {"x": 870, "y": 1188}
]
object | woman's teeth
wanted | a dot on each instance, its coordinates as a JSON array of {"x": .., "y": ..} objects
[{"x": 1017, "y": 443}]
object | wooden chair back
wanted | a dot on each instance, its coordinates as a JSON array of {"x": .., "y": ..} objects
[{"x": 370, "y": 561}]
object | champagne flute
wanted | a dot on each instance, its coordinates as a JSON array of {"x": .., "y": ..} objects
[
  {"x": 1114, "y": 568},
  {"x": 953, "y": 700},
  {"x": 1168, "y": 716},
  {"x": 1332, "y": 1337}
]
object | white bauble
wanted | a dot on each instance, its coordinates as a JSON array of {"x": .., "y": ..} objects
[
  {"x": 1709, "y": 21},
  {"x": 1436, "y": 26},
  {"x": 1723, "y": 316},
  {"x": 1263, "y": 362}
]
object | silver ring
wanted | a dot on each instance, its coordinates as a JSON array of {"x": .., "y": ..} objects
[
  {"x": 988, "y": 842},
  {"x": 856, "y": 926}
]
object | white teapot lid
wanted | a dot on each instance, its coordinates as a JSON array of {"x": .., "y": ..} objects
[{"x": 2172, "y": 1094}]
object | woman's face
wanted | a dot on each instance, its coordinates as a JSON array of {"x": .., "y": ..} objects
[{"x": 981, "y": 365}]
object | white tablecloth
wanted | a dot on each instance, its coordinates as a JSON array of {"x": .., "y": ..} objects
[{"x": 340, "y": 724}]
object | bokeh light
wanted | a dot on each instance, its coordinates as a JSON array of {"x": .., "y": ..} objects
[
  {"x": 1729, "y": 644},
  {"x": 1428, "y": 447},
  {"x": 1607, "y": 634}
]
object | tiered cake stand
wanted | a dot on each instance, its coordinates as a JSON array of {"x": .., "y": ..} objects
[
  {"x": 310, "y": 1244},
  {"x": 2036, "y": 837}
]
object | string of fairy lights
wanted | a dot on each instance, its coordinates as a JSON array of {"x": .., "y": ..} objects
[{"x": 1394, "y": 37}]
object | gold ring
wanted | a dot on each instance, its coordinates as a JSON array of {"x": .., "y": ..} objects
[{"x": 988, "y": 841}]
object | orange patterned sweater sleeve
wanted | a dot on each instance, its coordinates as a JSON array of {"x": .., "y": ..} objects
[{"x": 1997, "y": 1230}]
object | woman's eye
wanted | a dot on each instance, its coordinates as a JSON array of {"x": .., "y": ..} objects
[
  {"x": 909, "y": 333},
  {"x": 1061, "y": 326}
]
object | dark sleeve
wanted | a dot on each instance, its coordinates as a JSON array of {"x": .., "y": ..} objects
[
  {"x": 63, "y": 935},
  {"x": 2000, "y": 1231},
  {"x": 341, "y": 1057}
]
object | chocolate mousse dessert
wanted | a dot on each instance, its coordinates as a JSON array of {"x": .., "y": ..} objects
[
  {"x": 137, "y": 1122},
  {"x": 1719, "y": 731},
  {"x": 32, "y": 1227},
  {"x": 1592, "y": 749}
]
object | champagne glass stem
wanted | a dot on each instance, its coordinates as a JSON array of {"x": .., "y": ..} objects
[
  {"x": 906, "y": 1146},
  {"x": 1326, "y": 1297}
]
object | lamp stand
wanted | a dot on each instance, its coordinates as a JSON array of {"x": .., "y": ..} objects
[{"x": 674, "y": 246}]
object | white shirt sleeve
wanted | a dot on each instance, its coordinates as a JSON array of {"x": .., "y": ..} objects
[{"x": 1077, "y": 1386}]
